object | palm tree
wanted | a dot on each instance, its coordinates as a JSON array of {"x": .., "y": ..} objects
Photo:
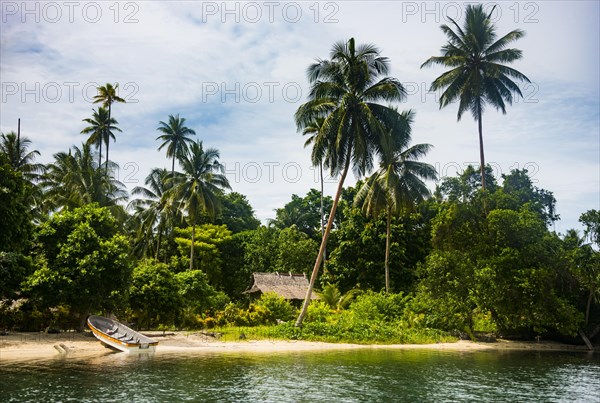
[
  {"x": 314, "y": 131},
  {"x": 332, "y": 296},
  {"x": 198, "y": 187},
  {"x": 174, "y": 137},
  {"x": 73, "y": 180},
  {"x": 346, "y": 91},
  {"x": 477, "y": 76},
  {"x": 101, "y": 128},
  {"x": 107, "y": 95},
  {"x": 154, "y": 210},
  {"x": 19, "y": 158},
  {"x": 398, "y": 183}
]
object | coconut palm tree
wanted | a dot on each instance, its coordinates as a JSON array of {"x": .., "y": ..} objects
[
  {"x": 107, "y": 95},
  {"x": 398, "y": 183},
  {"x": 19, "y": 158},
  {"x": 174, "y": 137},
  {"x": 313, "y": 130},
  {"x": 153, "y": 209},
  {"x": 347, "y": 91},
  {"x": 198, "y": 186},
  {"x": 74, "y": 179},
  {"x": 477, "y": 76},
  {"x": 101, "y": 129}
]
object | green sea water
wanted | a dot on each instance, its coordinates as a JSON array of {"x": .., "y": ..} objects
[{"x": 340, "y": 376}]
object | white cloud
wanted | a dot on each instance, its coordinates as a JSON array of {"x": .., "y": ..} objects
[{"x": 180, "y": 57}]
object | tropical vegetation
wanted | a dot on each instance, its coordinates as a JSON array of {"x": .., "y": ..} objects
[{"x": 407, "y": 260}]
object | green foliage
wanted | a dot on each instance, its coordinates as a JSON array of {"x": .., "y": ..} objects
[
  {"x": 237, "y": 213},
  {"x": 195, "y": 291},
  {"x": 268, "y": 249},
  {"x": 154, "y": 295},
  {"x": 295, "y": 251},
  {"x": 356, "y": 257},
  {"x": 14, "y": 269},
  {"x": 591, "y": 220},
  {"x": 304, "y": 213},
  {"x": 268, "y": 309},
  {"x": 237, "y": 273},
  {"x": 504, "y": 263},
  {"x": 15, "y": 225},
  {"x": 334, "y": 299},
  {"x": 276, "y": 307},
  {"x": 372, "y": 318},
  {"x": 318, "y": 311},
  {"x": 83, "y": 261},
  {"x": 207, "y": 243}
]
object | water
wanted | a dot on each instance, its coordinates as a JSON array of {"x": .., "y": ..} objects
[{"x": 340, "y": 376}]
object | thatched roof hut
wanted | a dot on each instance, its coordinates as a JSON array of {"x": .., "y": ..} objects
[{"x": 289, "y": 286}]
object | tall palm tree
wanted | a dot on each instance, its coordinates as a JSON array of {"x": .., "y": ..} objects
[
  {"x": 175, "y": 137},
  {"x": 313, "y": 130},
  {"x": 198, "y": 187},
  {"x": 477, "y": 76},
  {"x": 73, "y": 180},
  {"x": 398, "y": 183},
  {"x": 101, "y": 129},
  {"x": 107, "y": 95},
  {"x": 19, "y": 158},
  {"x": 346, "y": 91},
  {"x": 153, "y": 209}
]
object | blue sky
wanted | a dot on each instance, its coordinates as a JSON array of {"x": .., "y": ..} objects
[{"x": 236, "y": 72}]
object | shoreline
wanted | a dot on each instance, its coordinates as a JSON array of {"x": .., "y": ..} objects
[{"x": 35, "y": 346}]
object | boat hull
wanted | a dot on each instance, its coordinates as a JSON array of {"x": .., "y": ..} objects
[{"x": 120, "y": 337}]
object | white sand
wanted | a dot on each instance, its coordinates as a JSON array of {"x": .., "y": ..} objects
[{"x": 31, "y": 346}]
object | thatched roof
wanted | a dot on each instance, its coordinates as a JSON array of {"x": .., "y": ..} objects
[{"x": 289, "y": 286}]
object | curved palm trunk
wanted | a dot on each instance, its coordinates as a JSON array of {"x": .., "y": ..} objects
[
  {"x": 481, "y": 156},
  {"x": 322, "y": 216},
  {"x": 173, "y": 166},
  {"x": 588, "y": 305},
  {"x": 315, "y": 271},
  {"x": 192, "y": 248},
  {"x": 387, "y": 249}
]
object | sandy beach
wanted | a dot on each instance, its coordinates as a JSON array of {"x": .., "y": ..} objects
[{"x": 31, "y": 346}]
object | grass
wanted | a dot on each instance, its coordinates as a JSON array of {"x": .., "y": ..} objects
[{"x": 379, "y": 333}]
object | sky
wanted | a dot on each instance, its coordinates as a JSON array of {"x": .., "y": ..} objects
[{"x": 236, "y": 71}]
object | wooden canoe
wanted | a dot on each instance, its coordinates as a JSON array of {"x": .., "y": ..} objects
[{"x": 119, "y": 336}]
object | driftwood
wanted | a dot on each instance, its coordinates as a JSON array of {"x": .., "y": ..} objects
[
  {"x": 594, "y": 332},
  {"x": 158, "y": 334},
  {"x": 587, "y": 341}
]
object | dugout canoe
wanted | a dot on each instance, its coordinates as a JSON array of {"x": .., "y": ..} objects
[{"x": 119, "y": 336}]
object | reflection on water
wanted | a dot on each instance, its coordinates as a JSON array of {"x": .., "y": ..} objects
[{"x": 341, "y": 376}]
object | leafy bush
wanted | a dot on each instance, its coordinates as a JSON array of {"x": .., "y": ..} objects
[
  {"x": 379, "y": 306},
  {"x": 275, "y": 307},
  {"x": 318, "y": 311}
]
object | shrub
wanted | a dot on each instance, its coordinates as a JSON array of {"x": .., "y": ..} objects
[
  {"x": 276, "y": 307},
  {"x": 318, "y": 311}
]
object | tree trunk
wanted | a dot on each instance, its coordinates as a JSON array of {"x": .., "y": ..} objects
[
  {"x": 481, "y": 155},
  {"x": 192, "y": 248},
  {"x": 315, "y": 271},
  {"x": 107, "y": 139},
  {"x": 158, "y": 244},
  {"x": 589, "y": 304},
  {"x": 322, "y": 216},
  {"x": 106, "y": 167},
  {"x": 387, "y": 249},
  {"x": 173, "y": 167}
]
